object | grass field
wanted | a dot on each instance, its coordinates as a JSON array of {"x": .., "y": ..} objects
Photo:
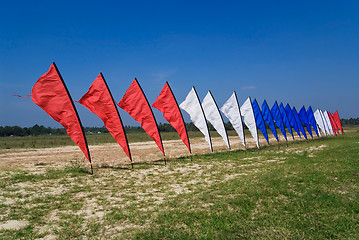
[{"x": 306, "y": 190}]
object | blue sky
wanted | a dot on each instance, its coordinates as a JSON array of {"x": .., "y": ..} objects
[{"x": 296, "y": 52}]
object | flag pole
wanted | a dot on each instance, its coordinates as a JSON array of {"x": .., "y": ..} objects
[
  {"x": 244, "y": 137},
  {"x": 118, "y": 114},
  {"x": 209, "y": 133},
  {"x": 163, "y": 149},
  {"x": 77, "y": 115},
  {"x": 229, "y": 145},
  {"x": 185, "y": 127}
]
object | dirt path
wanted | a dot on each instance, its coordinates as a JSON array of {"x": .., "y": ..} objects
[{"x": 107, "y": 155}]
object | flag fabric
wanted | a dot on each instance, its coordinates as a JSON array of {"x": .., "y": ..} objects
[
  {"x": 292, "y": 120},
  {"x": 332, "y": 122},
  {"x": 326, "y": 123},
  {"x": 278, "y": 118},
  {"x": 193, "y": 107},
  {"x": 167, "y": 104},
  {"x": 300, "y": 124},
  {"x": 268, "y": 118},
  {"x": 320, "y": 123},
  {"x": 304, "y": 119},
  {"x": 285, "y": 119},
  {"x": 249, "y": 119},
  {"x": 51, "y": 94},
  {"x": 259, "y": 119},
  {"x": 311, "y": 120},
  {"x": 337, "y": 121},
  {"x": 232, "y": 111},
  {"x": 135, "y": 103},
  {"x": 99, "y": 100},
  {"x": 329, "y": 124},
  {"x": 213, "y": 115}
]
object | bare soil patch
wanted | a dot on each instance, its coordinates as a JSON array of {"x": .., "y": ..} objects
[{"x": 111, "y": 155}]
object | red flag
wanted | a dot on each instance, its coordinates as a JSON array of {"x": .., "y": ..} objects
[
  {"x": 333, "y": 123},
  {"x": 167, "y": 104},
  {"x": 135, "y": 103},
  {"x": 336, "y": 129},
  {"x": 51, "y": 94},
  {"x": 99, "y": 100},
  {"x": 337, "y": 121}
]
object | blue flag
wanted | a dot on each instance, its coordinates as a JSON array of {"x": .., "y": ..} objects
[
  {"x": 304, "y": 118},
  {"x": 268, "y": 118},
  {"x": 291, "y": 118},
  {"x": 285, "y": 119},
  {"x": 300, "y": 124},
  {"x": 259, "y": 119},
  {"x": 278, "y": 118},
  {"x": 311, "y": 120}
]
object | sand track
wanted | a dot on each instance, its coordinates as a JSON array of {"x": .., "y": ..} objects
[{"x": 112, "y": 154}]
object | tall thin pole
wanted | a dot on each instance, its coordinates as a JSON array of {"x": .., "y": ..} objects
[
  {"x": 209, "y": 134},
  {"x": 153, "y": 118},
  {"x": 77, "y": 115},
  {"x": 118, "y": 114}
]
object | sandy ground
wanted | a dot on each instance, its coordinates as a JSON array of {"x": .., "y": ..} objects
[{"x": 109, "y": 155}]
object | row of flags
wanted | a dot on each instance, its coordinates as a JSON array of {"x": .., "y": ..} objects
[{"x": 52, "y": 95}]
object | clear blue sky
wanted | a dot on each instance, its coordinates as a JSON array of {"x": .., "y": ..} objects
[{"x": 296, "y": 52}]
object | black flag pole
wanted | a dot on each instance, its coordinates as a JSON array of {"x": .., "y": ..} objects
[
  {"x": 240, "y": 115},
  {"x": 77, "y": 115},
  {"x": 118, "y": 113},
  {"x": 164, "y": 155},
  {"x": 185, "y": 127},
  {"x": 209, "y": 133}
]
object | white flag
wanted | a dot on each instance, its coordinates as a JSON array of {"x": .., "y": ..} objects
[
  {"x": 193, "y": 107},
  {"x": 326, "y": 116},
  {"x": 233, "y": 113},
  {"x": 320, "y": 123},
  {"x": 327, "y": 128},
  {"x": 214, "y": 116},
  {"x": 249, "y": 119}
]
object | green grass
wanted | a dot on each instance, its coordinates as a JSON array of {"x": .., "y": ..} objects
[{"x": 307, "y": 190}]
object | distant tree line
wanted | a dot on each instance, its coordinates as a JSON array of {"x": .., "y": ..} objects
[
  {"x": 163, "y": 127},
  {"x": 350, "y": 121}
]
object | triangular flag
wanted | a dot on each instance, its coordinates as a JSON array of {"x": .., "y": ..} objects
[
  {"x": 268, "y": 118},
  {"x": 259, "y": 119},
  {"x": 326, "y": 123},
  {"x": 320, "y": 122},
  {"x": 286, "y": 119},
  {"x": 337, "y": 120},
  {"x": 232, "y": 111},
  {"x": 312, "y": 121},
  {"x": 300, "y": 124},
  {"x": 213, "y": 115},
  {"x": 193, "y": 107},
  {"x": 329, "y": 123},
  {"x": 304, "y": 119},
  {"x": 135, "y": 103},
  {"x": 249, "y": 119},
  {"x": 277, "y": 116},
  {"x": 333, "y": 123},
  {"x": 99, "y": 100},
  {"x": 167, "y": 104},
  {"x": 51, "y": 94},
  {"x": 292, "y": 120}
]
